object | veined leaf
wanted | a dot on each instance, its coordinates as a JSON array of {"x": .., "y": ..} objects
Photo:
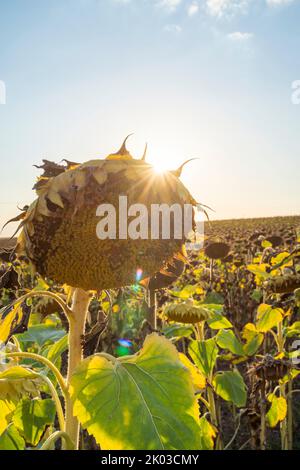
[
  {"x": 31, "y": 418},
  {"x": 204, "y": 355},
  {"x": 145, "y": 401},
  {"x": 230, "y": 386}
]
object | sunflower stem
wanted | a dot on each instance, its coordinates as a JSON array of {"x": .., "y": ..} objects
[
  {"x": 152, "y": 319},
  {"x": 77, "y": 319}
]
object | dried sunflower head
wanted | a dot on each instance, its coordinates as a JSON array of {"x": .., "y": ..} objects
[
  {"x": 217, "y": 250},
  {"x": 186, "y": 312},
  {"x": 59, "y": 229}
]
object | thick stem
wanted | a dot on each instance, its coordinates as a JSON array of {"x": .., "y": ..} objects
[{"x": 77, "y": 321}]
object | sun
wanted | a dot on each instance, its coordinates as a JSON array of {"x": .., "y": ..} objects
[{"x": 161, "y": 166}]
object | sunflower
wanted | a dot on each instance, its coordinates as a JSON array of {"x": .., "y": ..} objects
[{"x": 59, "y": 228}]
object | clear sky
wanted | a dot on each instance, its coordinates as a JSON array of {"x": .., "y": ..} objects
[{"x": 208, "y": 78}]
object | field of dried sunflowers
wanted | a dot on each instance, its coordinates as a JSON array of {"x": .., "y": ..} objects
[{"x": 150, "y": 348}]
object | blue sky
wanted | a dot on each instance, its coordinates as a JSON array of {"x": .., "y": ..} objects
[{"x": 208, "y": 78}]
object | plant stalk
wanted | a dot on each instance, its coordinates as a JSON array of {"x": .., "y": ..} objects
[{"x": 77, "y": 319}]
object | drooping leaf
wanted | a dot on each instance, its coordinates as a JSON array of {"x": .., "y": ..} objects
[
  {"x": 145, "y": 401},
  {"x": 17, "y": 373},
  {"x": 230, "y": 386},
  {"x": 278, "y": 410},
  {"x": 10, "y": 439},
  {"x": 268, "y": 317},
  {"x": 198, "y": 378},
  {"x": 226, "y": 339},
  {"x": 32, "y": 416},
  {"x": 204, "y": 355}
]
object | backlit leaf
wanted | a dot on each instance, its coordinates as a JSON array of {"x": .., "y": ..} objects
[
  {"x": 204, "y": 355},
  {"x": 145, "y": 401}
]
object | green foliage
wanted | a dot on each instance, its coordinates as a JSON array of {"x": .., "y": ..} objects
[
  {"x": 207, "y": 434},
  {"x": 144, "y": 401},
  {"x": 204, "y": 355},
  {"x": 178, "y": 331},
  {"x": 31, "y": 418},
  {"x": 10, "y": 439},
  {"x": 218, "y": 322},
  {"x": 226, "y": 339},
  {"x": 268, "y": 317},
  {"x": 230, "y": 386},
  {"x": 41, "y": 335}
]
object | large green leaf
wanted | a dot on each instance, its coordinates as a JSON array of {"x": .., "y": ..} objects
[
  {"x": 10, "y": 439},
  {"x": 204, "y": 355},
  {"x": 230, "y": 386},
  {"x": 32, "y": 416},
  {"x": 145, "y": 401},
  {"x": 226, "y": 339},
  {"x": 268, "y": 317}
]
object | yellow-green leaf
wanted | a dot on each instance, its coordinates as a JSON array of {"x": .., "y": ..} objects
[
  {"x": 278, "y": 410},
  {"x": 141, "y": 402},
  {"x": 268, "y": 317}
]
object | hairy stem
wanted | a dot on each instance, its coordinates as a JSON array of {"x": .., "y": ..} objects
[{"x": 77, "y": 319}]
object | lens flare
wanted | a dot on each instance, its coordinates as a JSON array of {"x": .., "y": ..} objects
[{"x": 139, "y": 275}]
